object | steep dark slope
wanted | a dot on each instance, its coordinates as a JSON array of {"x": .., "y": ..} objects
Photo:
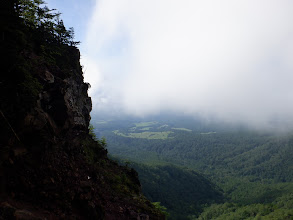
[
  {"x": 50, "y": 167},
  {"x": 182, "y": 191}
]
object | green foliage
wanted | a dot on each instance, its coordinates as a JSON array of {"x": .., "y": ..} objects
[
  {"x": 280, "y": 209},
  {"x": 181, "y": 191},
  {"x": 46, "y": 22},
  {"x": 30, "y": 11},
  {"x": 162, "y": 208},
  {"x": 218, "y": 153},
  {"x": 93, "y": 150},
  {"x": 243, "y": 190},
  {"x": 121, "y": 183},
  {"x": 254, "y": 169},
  {"x": 92, "y": 133},
  {"x": 102, "y": 142}
]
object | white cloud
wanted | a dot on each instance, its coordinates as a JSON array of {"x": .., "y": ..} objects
[
  {"x": 92, "y": 74},
  {"x": 232, "y": 59}
]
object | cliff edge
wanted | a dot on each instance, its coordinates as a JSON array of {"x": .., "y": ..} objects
[{"x": 50, "y": 167}]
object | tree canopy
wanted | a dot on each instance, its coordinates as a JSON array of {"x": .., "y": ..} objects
[{"x": 38, "y": 16}]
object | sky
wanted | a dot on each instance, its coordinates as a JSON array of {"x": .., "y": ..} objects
[{"x": 230, "y": 60}]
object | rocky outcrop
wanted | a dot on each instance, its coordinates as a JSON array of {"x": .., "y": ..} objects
[
  {"x": 63, "y": 105},
  {"x": 50, "y": 167}
]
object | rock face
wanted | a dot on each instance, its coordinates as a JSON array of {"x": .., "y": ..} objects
[
  {"x": 63, "y": 105},
  {"x": 50, "y": 167}
]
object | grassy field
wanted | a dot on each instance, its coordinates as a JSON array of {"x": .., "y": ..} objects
[
  {"x": 149, "y": 130},
  {"x": 182, "y": 129},
  {"x": 163, "y": 126},
  {"x": 146, "y": 134},
  {"x": 145, "y": 124},
  {"x": 211, "y": 132}
]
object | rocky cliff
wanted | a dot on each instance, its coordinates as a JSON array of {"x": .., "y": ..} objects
[{"x": 50, "y": 167}]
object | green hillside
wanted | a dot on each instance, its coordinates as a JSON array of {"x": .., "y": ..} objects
[
  {"x": 251, "y": 167},
  {"x": 182, "y": 191}
]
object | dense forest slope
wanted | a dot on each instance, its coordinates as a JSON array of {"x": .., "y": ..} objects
[
  {"x": 182, "y": 191},
  {"x": 50, "y": 167},
  {"x": 253, "y": 168},
  {"x": 215, "y": 151}
]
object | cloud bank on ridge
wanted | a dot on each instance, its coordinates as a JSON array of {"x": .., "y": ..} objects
[{"x": 229, "y": 59}]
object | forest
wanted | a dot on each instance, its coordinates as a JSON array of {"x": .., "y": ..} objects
[{"x": 247, "y": 173}]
